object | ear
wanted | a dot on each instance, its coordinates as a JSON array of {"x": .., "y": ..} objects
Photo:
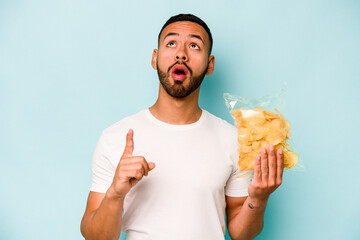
[
  {"x": 154, "y": 59},
  {"x": 211, "y": 65}
]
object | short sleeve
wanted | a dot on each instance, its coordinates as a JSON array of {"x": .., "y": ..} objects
[
  {"x": 237, "y": 186},
  {"x": 102, "y": 169},
  {"x": 238, "y": 182}
]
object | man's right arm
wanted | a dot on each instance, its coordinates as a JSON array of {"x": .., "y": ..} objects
[
  {"x": 103, "y": 214},
  {"x": 102, "y": 217}
]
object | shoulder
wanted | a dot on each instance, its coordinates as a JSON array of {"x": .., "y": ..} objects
[
  {"x": 115, "y": 133},
  {"x": 224, "y": 132},
  {"x": 221, "y": 125},
  {"x": 113, "y": 138},
  {"x": 125, "y": 124}
]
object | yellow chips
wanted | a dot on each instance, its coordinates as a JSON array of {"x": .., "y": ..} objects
[{"x": 257, "y": 129}]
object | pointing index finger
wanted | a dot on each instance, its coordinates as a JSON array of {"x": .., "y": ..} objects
[{"x": 129, "y": 146}]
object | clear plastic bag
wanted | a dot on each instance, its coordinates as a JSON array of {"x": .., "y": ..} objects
[{"x": 260, "y": 122}]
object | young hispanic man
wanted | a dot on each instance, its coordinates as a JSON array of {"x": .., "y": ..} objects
[{"x": 174, "y": 174}]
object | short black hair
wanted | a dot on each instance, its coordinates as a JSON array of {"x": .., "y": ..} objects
[{"x": 190, "y": 18}]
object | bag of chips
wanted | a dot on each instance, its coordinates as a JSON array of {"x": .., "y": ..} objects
[{"x": 260, "y": 122}]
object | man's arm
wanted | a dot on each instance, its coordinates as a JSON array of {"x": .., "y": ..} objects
[
  {"x": 245, "y": 215},
  {"x": 103, "y": 214},
  {"x": 102, "y": 217}
]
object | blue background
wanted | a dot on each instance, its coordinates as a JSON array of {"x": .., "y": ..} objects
[{"x": 69, "y": 69}]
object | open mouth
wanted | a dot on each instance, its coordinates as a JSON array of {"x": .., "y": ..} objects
[{"x": 179, "y": 73}]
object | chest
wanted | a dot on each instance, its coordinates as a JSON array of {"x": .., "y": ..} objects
[{"x": 197, "y": 163}]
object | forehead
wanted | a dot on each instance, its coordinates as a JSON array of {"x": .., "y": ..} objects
[{"x": 185, "y": 28}]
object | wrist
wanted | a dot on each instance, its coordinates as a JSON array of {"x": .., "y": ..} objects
[
  {"x": 112, "y": 194},
  {"x": 253, "y": 202}
]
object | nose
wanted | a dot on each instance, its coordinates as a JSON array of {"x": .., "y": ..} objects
[
  {"x": 181, "y": 54},
  {"x": 179, "y": 57}
]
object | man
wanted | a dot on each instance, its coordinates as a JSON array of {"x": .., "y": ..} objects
[{"x": 175, "y": 173}]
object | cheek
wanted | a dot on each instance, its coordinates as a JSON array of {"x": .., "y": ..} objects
[
  {"x": 199, "y": 64},
  {"x": 164, "y": 61}
]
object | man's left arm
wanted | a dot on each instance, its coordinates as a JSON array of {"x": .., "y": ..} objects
[{"x": 245, "y": 215}]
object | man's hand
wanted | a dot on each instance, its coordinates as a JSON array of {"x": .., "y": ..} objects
[
  {"x": 268, "y": 170},
  {"x": 130, "y": 169}
]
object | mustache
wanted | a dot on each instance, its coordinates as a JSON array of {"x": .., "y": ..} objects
[{"x": 180, "y": 63}]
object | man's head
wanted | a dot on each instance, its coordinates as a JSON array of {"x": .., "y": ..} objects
[
  {"x": 189, "y": 18},
  {"x": 183, "y": 57}
]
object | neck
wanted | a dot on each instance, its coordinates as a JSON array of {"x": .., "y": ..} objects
[{"x": 177, "y": 111}]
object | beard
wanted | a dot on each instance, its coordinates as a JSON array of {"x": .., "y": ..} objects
[{"x": 178, "y": 90}]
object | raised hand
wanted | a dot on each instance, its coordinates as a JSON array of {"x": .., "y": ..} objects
[
  {"x": 268, "y": 170},
  {"x": 130, "y": 169}
]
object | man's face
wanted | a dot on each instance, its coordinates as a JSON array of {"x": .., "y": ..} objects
[{"x": 183, "y": 58}]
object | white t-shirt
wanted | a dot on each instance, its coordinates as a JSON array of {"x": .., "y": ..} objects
[{"x": 183, "y": 197}]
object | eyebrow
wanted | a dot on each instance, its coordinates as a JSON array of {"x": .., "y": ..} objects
[
  {"x": 196, "y": 36},
  {"x": 190, "y": 35}
]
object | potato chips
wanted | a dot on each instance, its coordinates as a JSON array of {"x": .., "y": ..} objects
[{"x": 256, "y": 130}]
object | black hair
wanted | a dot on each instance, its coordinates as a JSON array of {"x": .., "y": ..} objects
[{"x": 190, "y": 18}]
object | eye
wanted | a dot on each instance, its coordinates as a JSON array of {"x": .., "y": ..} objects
[
  {"x": 171, "y": 44},
  {"x": 194, "y": 46}
]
